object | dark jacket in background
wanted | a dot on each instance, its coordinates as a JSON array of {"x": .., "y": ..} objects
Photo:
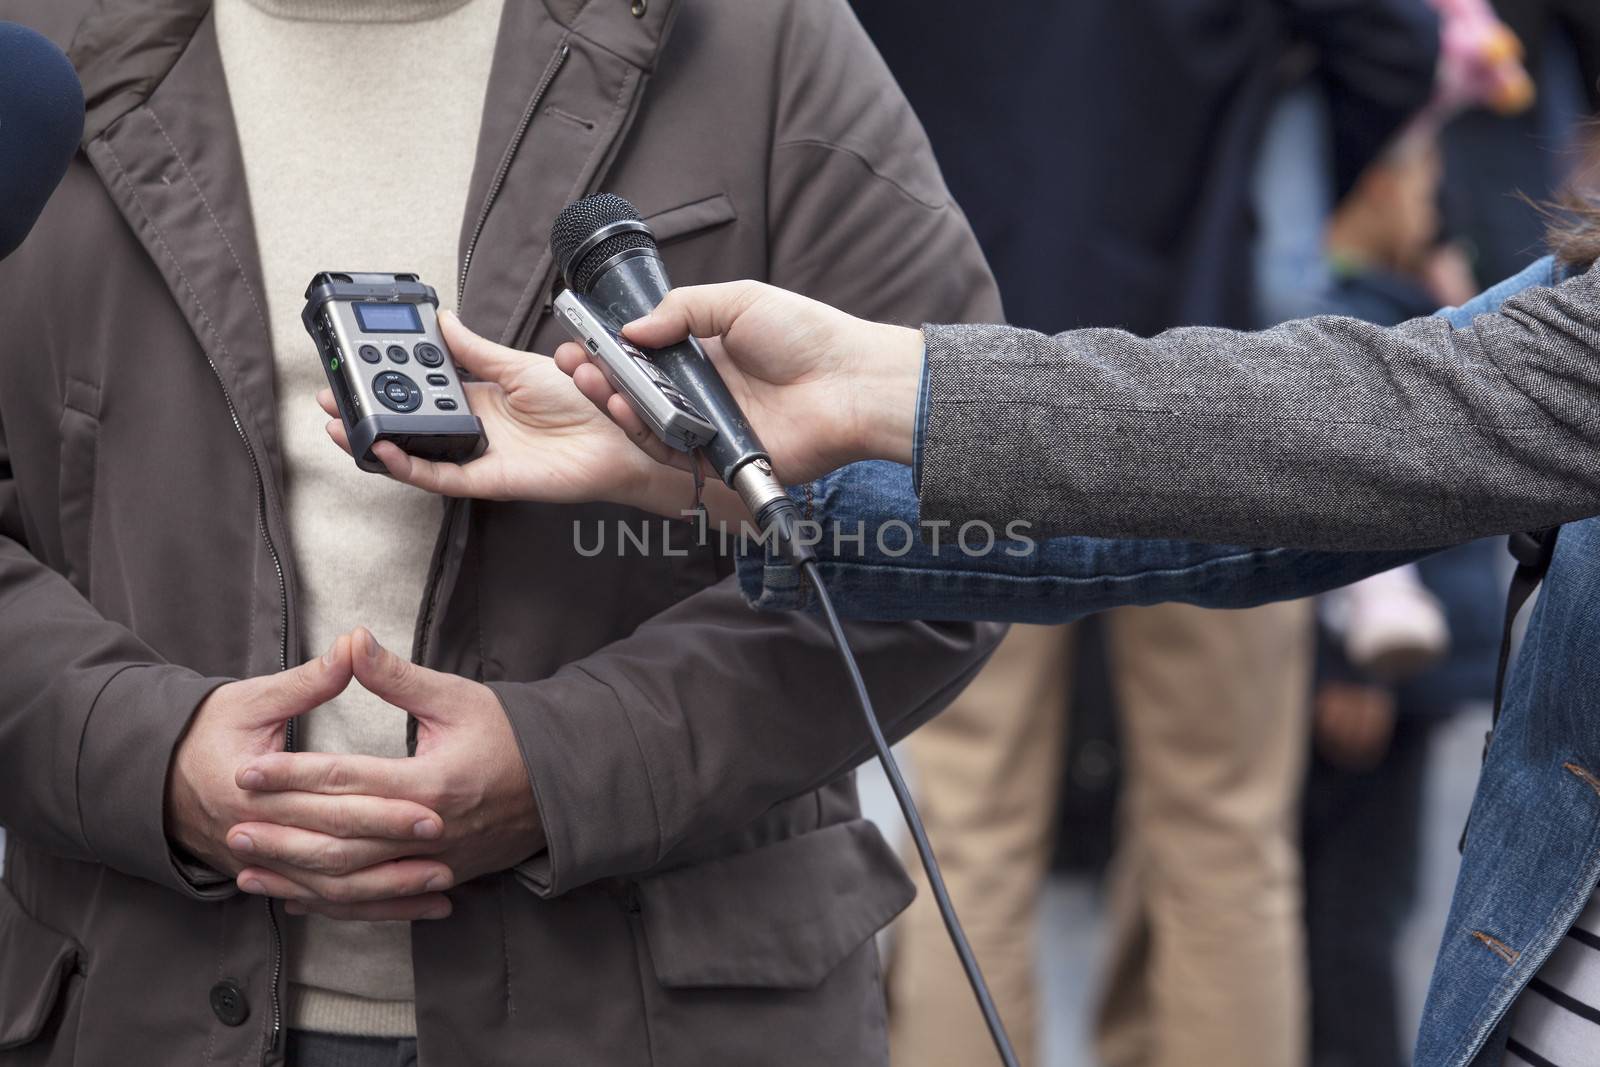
[{"x": 1105, "y": 149}]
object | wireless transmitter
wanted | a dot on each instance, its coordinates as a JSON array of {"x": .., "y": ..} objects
[
  {"x": 666, "y": 411},
  {"x": 391, "y": 373}
]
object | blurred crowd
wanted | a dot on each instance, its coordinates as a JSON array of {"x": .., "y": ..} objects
[{"x": 1231, "y": 163}]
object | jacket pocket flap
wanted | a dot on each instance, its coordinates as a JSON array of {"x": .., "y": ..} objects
[
  {"x": 34, "y": 964},
  {"x": 677, "y": 222},
  {"x": 779, "y": 917}
]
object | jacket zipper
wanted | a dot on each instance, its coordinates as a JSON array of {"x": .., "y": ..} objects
[
  {"x": 276, "y": 1029},
  {"x": 557, "y": 61},
  {"x": 261, "y": 523},
  {"x": 550, "y": 71}
]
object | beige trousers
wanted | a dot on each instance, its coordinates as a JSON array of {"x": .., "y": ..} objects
[{"x": 1206, "y": 964}]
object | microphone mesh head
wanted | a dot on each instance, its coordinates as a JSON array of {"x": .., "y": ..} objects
[{"x": 578, "y": 222}]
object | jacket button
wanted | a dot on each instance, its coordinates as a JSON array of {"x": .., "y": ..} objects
[{"x": 229, "y": 1003}]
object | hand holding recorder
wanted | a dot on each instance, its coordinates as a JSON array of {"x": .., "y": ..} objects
[{"x": 545, "y": 442}]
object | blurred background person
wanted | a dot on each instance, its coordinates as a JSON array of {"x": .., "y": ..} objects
[
  {"x": 1122, "y": 155},
  {"x": 1502, "y": 161},
  {"x": 1373, "y": 736}
]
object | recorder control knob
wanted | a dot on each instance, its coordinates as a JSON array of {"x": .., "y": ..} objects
[{"x": 397, "y": 392}]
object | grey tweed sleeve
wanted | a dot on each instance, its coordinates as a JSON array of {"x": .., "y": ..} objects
[{"x": 1322, "y": 433}]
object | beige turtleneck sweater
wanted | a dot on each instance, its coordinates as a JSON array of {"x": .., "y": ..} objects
[{"x": 358, "y": 120}]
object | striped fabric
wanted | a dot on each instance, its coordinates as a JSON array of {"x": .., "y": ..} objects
[{"x": 1558, "y": 1016}]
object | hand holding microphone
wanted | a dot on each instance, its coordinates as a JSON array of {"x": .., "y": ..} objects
[{"x": 824, "y": 389}]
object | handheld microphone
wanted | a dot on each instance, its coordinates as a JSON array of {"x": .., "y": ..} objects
[
  {"x": 41, "y": 120},
  {"x": 608, "y": 254}
]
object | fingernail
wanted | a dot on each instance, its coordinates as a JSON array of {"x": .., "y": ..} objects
[
  {"x": 252, "y": 885},
  {"x": 437, "y": 883},
  {"x": 252, "y": 779},
  {"x": 441, "y": 911},
  {"x": 241, "y": 843},
  {"x": 640, "y": 321},
  {"x": 426, "y": 829},
  {"x": 294, "y": 907},
  {"x": 327, "y": 657}
]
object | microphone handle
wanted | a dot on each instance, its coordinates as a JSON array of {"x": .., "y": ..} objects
[{"x": 632, "y": 288}]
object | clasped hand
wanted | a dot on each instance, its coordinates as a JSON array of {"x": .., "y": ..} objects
[{"x": 352, "y": 836}]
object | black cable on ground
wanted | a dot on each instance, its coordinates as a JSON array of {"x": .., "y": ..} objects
[{"x": 947, "y": 911}]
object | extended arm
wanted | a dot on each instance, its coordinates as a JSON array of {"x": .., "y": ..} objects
[{"x": 1327, "y": 432}]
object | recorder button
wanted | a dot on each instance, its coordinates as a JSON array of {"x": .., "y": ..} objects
[
  {"x": 444, "y": 403},
  {"x": 398, "y": 354},
  {"x": 370, "y": 353},
  {"x": 429, "y": 355},
  {"x": 397, "y": 392}
]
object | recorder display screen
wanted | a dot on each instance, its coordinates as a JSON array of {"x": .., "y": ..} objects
[{"x": 388, "y": 318}]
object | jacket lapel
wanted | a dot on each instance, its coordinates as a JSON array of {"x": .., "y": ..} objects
[
  {"x": 161, "y": 136},
  {"x": 566, "y": 84}
]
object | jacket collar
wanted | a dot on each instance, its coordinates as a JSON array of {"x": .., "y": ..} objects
[
  {"x": 125, "y": 48},
  {"x": 162, "y": 139}
]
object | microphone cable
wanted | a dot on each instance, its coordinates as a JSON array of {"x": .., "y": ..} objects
[{"x": 908, "y": 808}]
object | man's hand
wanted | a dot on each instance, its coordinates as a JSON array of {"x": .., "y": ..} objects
[
  {"x": 467, "y": 768},
  {"x": 822, "y": 388},
  {"x": 240, "y": 721}
]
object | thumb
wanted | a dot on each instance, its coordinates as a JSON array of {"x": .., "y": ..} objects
[
  {"x": 424, "y": 693},
  {"x": 694, "y": 311},
  {"x": 486, "y": 360},
  {"x": 276, "y": 698}
]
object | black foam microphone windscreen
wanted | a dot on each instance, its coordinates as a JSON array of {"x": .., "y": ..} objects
[{"x": 41, "y": 120}]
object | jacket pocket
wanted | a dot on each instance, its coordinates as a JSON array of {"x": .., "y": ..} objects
[
  {"x": 768, "y": 956},
  {"x": 80, "y": 437},
  {"x": 36, "y": 964},
  {"x": 691, "y": 218}
]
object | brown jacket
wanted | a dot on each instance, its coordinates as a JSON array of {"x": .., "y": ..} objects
[{"x": 710, "y": 891}]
